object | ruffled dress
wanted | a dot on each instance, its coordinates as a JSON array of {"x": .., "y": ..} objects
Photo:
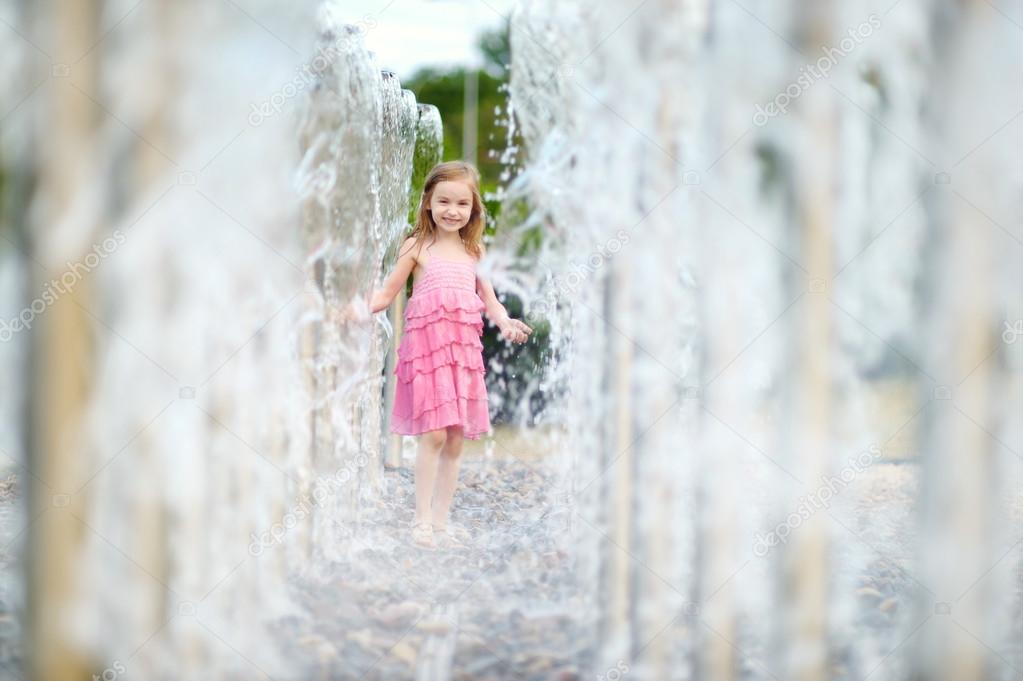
[{"x": 440, "y": 366}]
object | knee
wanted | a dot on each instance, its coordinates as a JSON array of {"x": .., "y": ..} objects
[
  {"x": 435, "y": 438},
  {"x": 453, "y": 443}
]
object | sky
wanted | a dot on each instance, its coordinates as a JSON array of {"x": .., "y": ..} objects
[{"x": 408, "y": 34}]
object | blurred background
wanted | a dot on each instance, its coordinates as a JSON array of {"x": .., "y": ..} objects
[{"x": 765, "y": 427}]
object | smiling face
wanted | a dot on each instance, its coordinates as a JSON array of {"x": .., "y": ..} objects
[{"x": 451, "y": 205}]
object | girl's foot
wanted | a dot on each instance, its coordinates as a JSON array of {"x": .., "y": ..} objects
[
  {"x": 422, "y": 535},
  {"x": 452, "y": 536}
]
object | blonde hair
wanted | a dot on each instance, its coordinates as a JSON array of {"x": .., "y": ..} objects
[{"x": 472, "y": 232}]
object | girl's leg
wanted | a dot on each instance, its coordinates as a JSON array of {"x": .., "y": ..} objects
[
  {"x": 447, "y": 475},
  {"x": 426, "y": 471}
]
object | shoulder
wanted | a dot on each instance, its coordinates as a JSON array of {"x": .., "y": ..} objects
[
  {"x": 408, "y": 250},
  {"x": 483, "y": 252}
]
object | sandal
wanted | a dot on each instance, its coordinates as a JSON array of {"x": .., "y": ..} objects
[
  {"x": 452, "y": 536},
  {"x": 422, "y": 535}
]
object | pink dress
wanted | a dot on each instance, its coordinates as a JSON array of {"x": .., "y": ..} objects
[{"x": 440, "y": 358}]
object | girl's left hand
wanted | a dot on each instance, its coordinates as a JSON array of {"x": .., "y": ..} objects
[{"x": 515, "y": 330}]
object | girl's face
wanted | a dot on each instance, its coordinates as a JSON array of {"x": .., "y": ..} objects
[{"x": 451, "y": 205}]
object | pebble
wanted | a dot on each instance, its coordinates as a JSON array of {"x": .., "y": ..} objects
[
  {"x": 404, "y": 651},
  {"x": 395, "y": 614},
  {"x": 433, "y": 626},
  {"x": 869, "y": 591}
]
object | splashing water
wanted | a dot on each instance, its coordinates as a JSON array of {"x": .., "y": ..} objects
[
  {"x": 771, "y": 436},
  {"x": 750, "y": 411}
]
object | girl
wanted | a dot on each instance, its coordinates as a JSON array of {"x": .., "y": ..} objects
[{"x": 440, "y": 393}]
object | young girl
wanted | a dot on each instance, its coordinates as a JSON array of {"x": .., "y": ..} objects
[{"x": 440, "y": 393}]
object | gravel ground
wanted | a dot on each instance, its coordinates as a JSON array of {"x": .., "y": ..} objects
[
  {"x": 12, "y": 536},
  {"x": 504, "y": 607},
  {"x": 508, "y": 605}
]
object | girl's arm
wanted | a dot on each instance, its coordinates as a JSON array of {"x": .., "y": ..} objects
[
  {"x": 381, "y": 298},
  {"x": 513, "y": 330},
  {"x": 395, "y": 282}
]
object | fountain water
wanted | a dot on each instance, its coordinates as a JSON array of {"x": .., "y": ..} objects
[
  {"x": 193, "y": 408},
  {"x": 774, "y": 248},
  {"x": 752, "y": 416}
]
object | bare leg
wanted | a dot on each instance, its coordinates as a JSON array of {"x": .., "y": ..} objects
[
  {"x": 426, "y": 471},
  {"x": 447, "y": 476}
]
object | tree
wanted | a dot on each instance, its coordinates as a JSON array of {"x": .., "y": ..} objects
[{"x": 445, "y": 89}]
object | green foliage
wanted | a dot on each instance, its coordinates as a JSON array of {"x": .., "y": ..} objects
[
  {"x": 495, "y": 46},
  {"x": 445, "y": 89}
]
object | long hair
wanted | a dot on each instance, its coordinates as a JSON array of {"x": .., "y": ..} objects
[{"x": 472, "y": 232}]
